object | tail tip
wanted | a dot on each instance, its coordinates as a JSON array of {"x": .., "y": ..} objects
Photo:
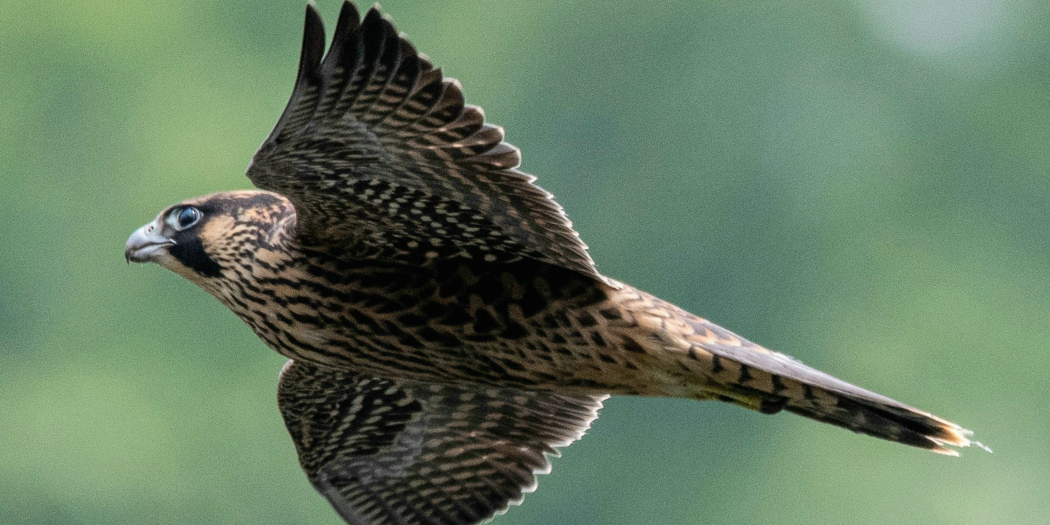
[{"x": 955, "y": 437}]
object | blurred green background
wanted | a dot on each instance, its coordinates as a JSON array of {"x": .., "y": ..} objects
[{"x": 864, "y": 185}]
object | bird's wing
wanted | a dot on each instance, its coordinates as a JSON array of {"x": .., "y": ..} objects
[
  {"x": 386, "y": 452},
  {"x": 382, "y": 158}
]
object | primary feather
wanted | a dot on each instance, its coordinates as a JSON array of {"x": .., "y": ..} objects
[{"x": 383, "y": 159}]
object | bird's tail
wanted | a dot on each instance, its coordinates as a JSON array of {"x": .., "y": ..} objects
[
  {"x": 741, "y": 372},
  {"x": 873, "y": 415}
]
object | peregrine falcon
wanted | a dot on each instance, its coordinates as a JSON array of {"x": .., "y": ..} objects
[{"x": 445, "y": 327}]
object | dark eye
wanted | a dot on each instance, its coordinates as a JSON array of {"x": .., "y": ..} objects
[{"x": 187, "y": 217}]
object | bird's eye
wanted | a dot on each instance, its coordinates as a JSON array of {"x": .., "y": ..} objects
[{"x": 187, "y": 217}]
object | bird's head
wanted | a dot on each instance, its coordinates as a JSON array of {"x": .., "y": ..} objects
[{"x": 200, "y": 237}]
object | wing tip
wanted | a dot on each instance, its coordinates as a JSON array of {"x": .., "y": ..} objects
[
  {"x": 313, "y": 39},
  {"x": 349, "y": 19}
]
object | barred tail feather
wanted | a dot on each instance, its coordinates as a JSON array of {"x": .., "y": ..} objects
[
  {"x": 897, "y": 423},
  {"x": 854, "y": 409},
  {"x": 747, "y": 374}
]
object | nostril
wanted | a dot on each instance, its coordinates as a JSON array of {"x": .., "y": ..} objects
[{"x": 150, "y": 229}]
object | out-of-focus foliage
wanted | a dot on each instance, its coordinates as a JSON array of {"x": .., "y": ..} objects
[{"x": 864, "y": 185}]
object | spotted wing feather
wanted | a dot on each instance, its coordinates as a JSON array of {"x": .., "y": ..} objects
[
  {"x": 382, "y": 158},
  {"x": 386, "y": 452}
]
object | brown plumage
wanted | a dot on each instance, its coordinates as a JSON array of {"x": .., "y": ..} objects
[{"x": 446, "y": 328}]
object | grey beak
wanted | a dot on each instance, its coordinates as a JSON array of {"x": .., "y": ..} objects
[{"x": 145, "y": 243}]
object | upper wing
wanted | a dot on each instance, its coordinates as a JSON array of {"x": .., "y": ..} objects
[
  {"x": 381, "y": 158},
  {"x": 386, "y": 452}
]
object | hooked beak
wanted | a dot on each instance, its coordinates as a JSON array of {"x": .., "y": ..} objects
[{"x": 145, "y": 244}]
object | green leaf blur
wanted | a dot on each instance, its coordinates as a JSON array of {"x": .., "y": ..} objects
[{"x": 864, "y": 185}]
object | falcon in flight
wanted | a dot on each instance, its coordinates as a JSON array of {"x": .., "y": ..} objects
[{"x": 446, "y": 329}]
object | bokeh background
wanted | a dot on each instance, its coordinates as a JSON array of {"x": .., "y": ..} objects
[{"x": 864, "y": 185}]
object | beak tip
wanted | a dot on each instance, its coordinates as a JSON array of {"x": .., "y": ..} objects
[{"x": 143, "y": 245}]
